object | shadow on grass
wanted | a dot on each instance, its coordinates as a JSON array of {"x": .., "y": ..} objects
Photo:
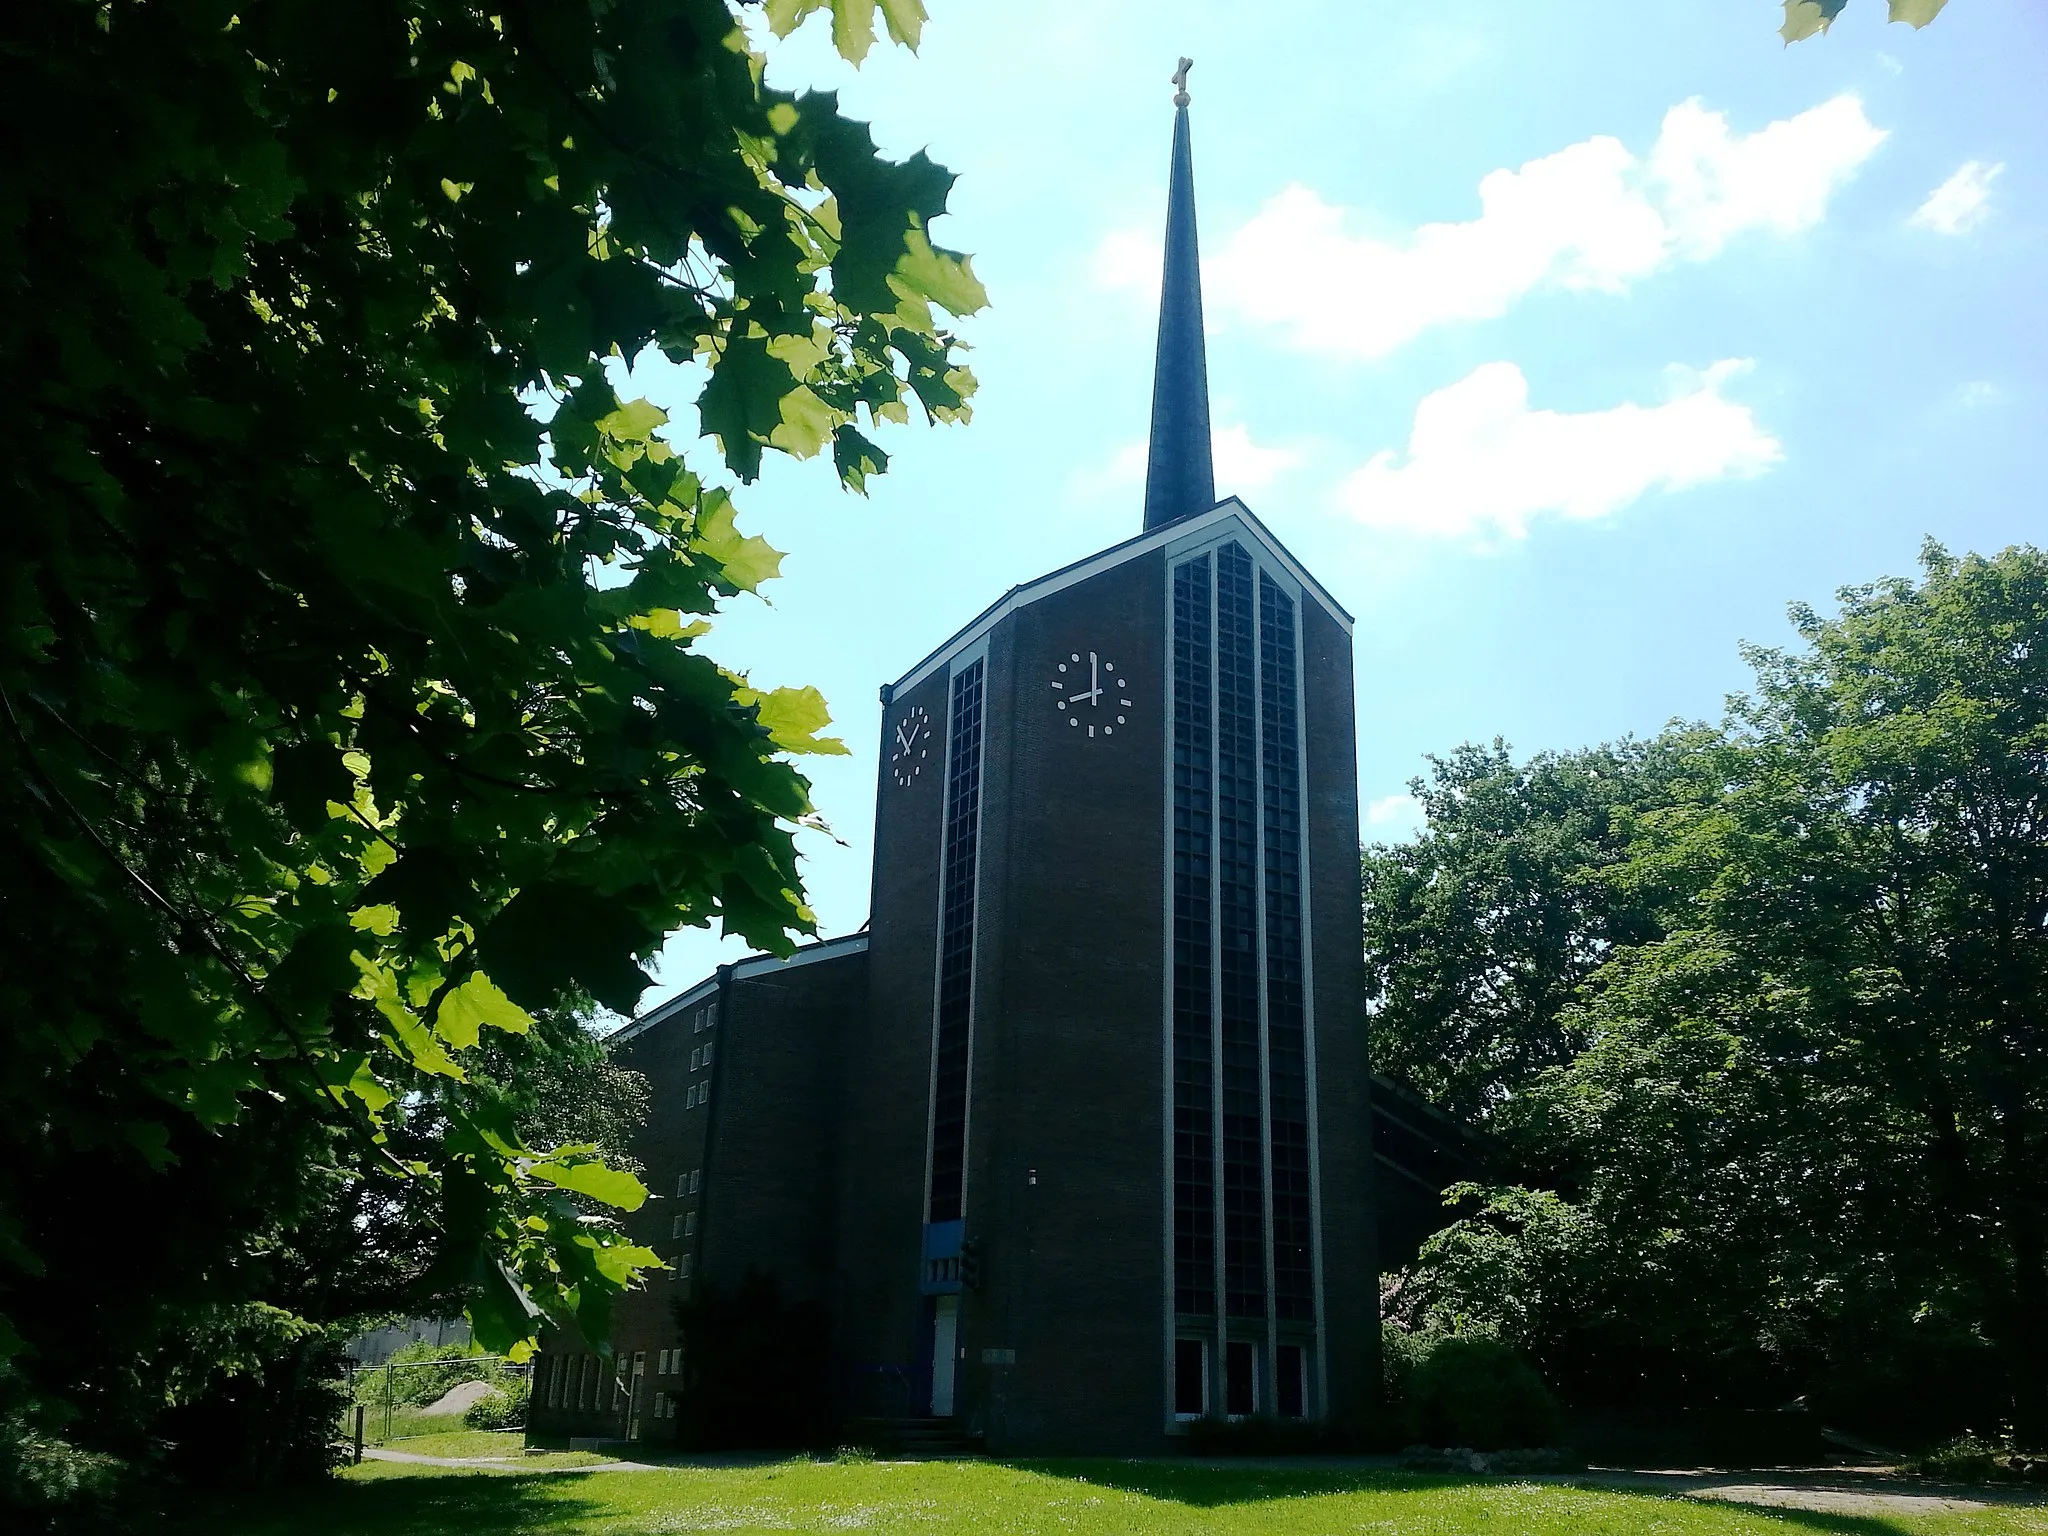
[
  {"x": 475, "y": 1504},
  {"x": 1209, "y": 1487}
]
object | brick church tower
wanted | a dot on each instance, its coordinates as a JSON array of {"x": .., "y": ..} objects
[{"x": 1073, "y": 1146}]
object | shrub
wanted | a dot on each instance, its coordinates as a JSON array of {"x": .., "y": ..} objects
[
  {"x": 1973, "y": 1459},
  {"x": 494, "y": 1410},
  {"x": 1473, "y": 1391}
]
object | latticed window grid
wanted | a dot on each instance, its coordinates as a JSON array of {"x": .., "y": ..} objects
[
  {"x": 1194, "y": 1175},
  {"x": 958, "y": 866},
  {"x": 1239, "y": 961},
  {"x": 1237, "y": 991},
  {"x": 1286, "y": 1061}
]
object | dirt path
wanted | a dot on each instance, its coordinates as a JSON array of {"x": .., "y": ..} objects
[
  {"x": 1825, "y": 1491},
  {"x": 499, "y": 1463}
]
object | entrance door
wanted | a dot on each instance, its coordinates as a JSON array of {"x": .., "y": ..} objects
[{"x": 945, "y": 1352}]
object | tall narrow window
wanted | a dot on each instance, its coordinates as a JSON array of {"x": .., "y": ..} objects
[
  {"x": 1279, "y": 731},
  {"x": 1237, "y": 950},
  {"x": 1243, "y": 1206},
  {"x": 1194, "y": 1182},
  {"x": 958, "y": 866}
]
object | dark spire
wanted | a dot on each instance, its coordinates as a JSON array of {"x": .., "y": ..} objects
[{"x": 1180, "y": 475}]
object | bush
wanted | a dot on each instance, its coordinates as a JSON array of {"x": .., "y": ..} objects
[
  {"x": 1472, "y": 1391},
  {"x": 497, "y": 1409},
  {"x": 1973, "y": 1459}
]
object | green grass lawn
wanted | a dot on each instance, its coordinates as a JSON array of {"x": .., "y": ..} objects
[
  {"x": 405, "y": 1423},
  {"x": 994, "y": 1499}
]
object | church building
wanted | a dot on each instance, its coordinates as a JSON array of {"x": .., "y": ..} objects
[{"x": 1072, "y": 1145}]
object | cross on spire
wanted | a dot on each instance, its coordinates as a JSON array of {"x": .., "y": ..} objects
[{"x": 1180, "y": 471}]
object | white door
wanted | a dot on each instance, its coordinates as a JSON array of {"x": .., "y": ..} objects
[{"x": 945, "y": 1352}]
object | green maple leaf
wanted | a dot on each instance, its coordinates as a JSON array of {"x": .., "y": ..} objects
[
  {"x": 792, "y": 717},
  {"x": 942, "y": 276},
  {"x": 741, "y": 403},
  {"x": 905, "y": 20},
  {"x": 1916, "y": 12},
  {"x": 668, "y": 624},
  {"x": 1803, "y": 18},
  {"x": 607, "y": 1186},
  {"x": 853, "y": 28},
  {"x": 806, "y": 424},
  {"x": 748, "y": 560},
  {"x": 475, "y": 1003},
  {"x": 633, "y": 422}
]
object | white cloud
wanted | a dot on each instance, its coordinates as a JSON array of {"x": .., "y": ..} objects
[
  {"x": 1243, "y": 465},
  {"x": 1129, "y": 259},
  {"x": 1958, "y": 205},
  {"x": 1977, "y": 394},
  {"x": 1591, "y": 216},
  {"x": 1394, "y": 815},
  {"x": 1481, "y": 462}
]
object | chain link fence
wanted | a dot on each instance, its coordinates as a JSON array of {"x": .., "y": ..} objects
[{"x": 407, "y": 1398}]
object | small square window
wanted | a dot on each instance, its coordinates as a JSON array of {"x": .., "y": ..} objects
[
  {"x": 683, "y": 1267},
  {"x": 690, "y": 1224},
  {"x": 707, "y": 1053},
  {"x": 682, "y": 1185},
  {"x": 711, "y": 1013},
  {"x": 695, "y": 1056},
  {"x": 696, "y": 1179},
  {"x": 676, "y": 1228}
]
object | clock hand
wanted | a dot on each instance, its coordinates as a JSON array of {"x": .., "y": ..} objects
[{"x": 903, "y": 739}]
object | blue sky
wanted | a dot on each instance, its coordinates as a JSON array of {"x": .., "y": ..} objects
[{"x": 1565, "y": 343}]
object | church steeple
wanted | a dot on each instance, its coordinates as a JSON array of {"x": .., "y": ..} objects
[{"x": 1180, "y": 474}]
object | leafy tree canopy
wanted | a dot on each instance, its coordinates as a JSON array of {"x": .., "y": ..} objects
[
  {"x": 355, "y": 705},
  {"x": 1801, "y": 1142},
  {"x": 1479, "y": 932}
]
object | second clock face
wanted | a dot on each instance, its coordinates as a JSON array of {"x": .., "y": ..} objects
[
  {"x": 1092, "y": 693},
  {"x": 910, "y": 747}
]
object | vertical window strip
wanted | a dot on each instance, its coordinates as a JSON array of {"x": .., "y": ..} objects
[
  {"x": 956, "y": 946},
  {"x": 1285, "y": 1005},
  {"x": 1237, "y": 992},
  {"x": 1194, "y": 1193}
]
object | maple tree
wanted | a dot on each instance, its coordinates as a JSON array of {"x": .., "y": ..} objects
[
  {"x": 353, "y": 701},
  {"x": 1805, "y": 18}
]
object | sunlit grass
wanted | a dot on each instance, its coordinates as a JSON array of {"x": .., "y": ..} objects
[
  {"x": 1037, "y": 1499},
  {"x": 507, "y": 1446}
]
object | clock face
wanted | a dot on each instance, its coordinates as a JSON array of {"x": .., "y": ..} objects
[
  {"x": 910, "y": 747},
  {"x": 1092, "y": 693}
]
